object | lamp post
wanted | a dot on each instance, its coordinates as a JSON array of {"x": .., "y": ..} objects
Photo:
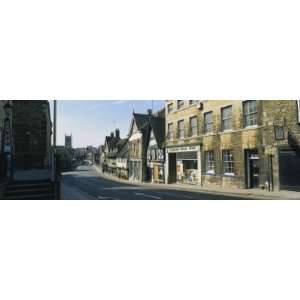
[{"x": 8, "y": 145}]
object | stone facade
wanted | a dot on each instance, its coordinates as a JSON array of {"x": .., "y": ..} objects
[
  {"x": 242, "y": 143},
  {"x": 156, "y": 148},
  {"x": 111, "y": 150},
  {"x": 137, "y": 142},
  {"x": 32, "y": 129}
]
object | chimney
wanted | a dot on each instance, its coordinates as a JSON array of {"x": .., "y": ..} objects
[
  {"x": 149, "y": 111},
  {"x": 111, "y": 134},
  {"x": 117, "y": 133}
]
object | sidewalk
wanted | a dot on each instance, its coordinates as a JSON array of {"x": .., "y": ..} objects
[{"x": 249, "y": 193}]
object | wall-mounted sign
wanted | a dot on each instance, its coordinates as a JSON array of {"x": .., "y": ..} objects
[
  {"x": 183, "y": 149},
  {"x": 279, "y": 132}
]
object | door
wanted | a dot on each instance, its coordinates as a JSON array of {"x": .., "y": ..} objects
[
  {"x": 289, "y": 170},
  {"x": 172, "y": 167},
  {"x": 252, "y": 169},
  {"x": 254, "y": 173}
]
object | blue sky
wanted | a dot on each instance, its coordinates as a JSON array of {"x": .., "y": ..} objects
[{"x": 90, "y": 121}]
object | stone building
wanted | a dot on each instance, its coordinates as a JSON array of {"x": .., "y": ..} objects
[
  {"x": 111, "y": 150},
  {"x": 156, "y": 148},
  {"x": 122, "y": 159},
  {"x": 138, "y": 141},
  {"x": 66, "y": 154},
  {"x": 244, "y": 144},
  {"x": 183, "y": 156},
  {"x": 32, "y": 129}
]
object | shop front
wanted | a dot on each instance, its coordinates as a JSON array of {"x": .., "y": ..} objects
[{"x": 183, "y": 165}]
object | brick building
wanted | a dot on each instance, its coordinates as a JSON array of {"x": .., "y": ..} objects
[{"x": 245, "y": 144}]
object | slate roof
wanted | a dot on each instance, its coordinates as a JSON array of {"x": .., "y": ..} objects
[
  {"x": 111, "y": 141},
  {"x": 123, "y": 147},
  {"x": 158, "y": 126},
  {"x": 140, "y": 120}
]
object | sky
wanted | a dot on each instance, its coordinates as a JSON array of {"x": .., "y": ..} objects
[{"x": 90, "y": 121}]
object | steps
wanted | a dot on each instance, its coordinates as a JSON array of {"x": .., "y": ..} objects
[{"x": 30, "y": 190}]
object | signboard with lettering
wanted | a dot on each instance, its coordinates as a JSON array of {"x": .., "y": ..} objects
[{"x": 183, "y": 149}]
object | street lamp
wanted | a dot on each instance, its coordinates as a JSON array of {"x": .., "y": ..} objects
[{"x": 7, "y": 145}]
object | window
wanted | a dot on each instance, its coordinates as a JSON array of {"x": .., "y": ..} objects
[
  {"x": 170, "y": 108},
  {"x": 181, "y": 129},
  {"x": 170, "y": 131},
  {"x": 250, "y": 113},
  {"x": 180, "y": 104},
  {"x": 208, "y": 122},
  {"x": 193, "y": 126},
  {"x": 226, "y": 115},
  {"x": 209, "y": 162},
  {"x": 193, "y": 102},
  {"x": 228, "y": 162}
]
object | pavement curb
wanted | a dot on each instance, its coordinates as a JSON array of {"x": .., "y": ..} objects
[{"x": 183, "y": 188}]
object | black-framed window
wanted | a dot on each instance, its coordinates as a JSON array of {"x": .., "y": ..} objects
[
  {"x": 226, "y": 118},
  {"x": 193, "y": 126},
  {"x": 228, "y": 162},
  {"x": 180, "y": 104},
  {"x": 209, "y": 162},
  {"x": 208, "y": 122},
  {"x": 250, "y": 113},
  {"x": 170, "y": 131},
  {"x": 193, "y": 102},
  {"x": 181, "y": 129},
  {"x": 170, "y": 108}
]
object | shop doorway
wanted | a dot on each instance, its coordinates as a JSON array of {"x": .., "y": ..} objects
[
  {"x": 172, "y": 167},
  {"x": 252, "y": 169}
]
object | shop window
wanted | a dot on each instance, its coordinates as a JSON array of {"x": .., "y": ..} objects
[
  {"x": 228, "y": 162},
  {"x": 209, "y": 162},
  {"x": 226, "y": 116},
  {"x": 250, "y": 113},
  {"x": 180, "y": 104},
  {"x": 170, "y": 108},
  {"x": 170, "y": 131},
  {"x": 181, "y": 129},
  {"x": 193, "y": 126},
  {"x": 208, "y": 122}
]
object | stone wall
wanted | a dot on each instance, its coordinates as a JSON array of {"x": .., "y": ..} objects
[{"x": 31, "y": 134}]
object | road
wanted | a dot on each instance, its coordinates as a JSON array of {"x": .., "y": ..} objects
[{"x": 85, "y": 180}]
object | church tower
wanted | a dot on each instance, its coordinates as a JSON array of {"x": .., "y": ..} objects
[{"x": 68, "y": 141}]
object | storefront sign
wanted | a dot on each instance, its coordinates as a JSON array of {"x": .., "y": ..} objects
[{"x": 183, "y": 149}]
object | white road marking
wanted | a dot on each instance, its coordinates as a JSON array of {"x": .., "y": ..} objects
[
  {"x": 106, "y": 198},
  {"x": 148, "y": 196},
  {"x": 172, "y": 195}
]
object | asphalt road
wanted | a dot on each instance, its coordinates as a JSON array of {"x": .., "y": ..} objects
[{"x": 92, "y": 185}]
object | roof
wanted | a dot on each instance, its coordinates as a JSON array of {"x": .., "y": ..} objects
[
  {"x": 111, "y": 141},
  {"x": 123, "y": 148},
  {"x": 157, "y": 124},
  {"x": 140, "y": 120}
]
